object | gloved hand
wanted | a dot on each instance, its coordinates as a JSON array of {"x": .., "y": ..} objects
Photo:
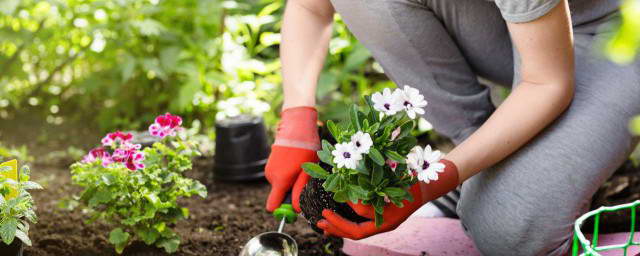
[
  {"x": 393, "y": 216},
  {"x": 296, "y": 143}
]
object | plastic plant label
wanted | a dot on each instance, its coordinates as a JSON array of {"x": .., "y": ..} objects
[{"x": 11, "y": 174}]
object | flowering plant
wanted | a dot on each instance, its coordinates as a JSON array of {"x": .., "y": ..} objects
[
  {"x": 16, "y": 205},
  {"x": 137, "y": 189},
  {"x": 376, "y": 159}
]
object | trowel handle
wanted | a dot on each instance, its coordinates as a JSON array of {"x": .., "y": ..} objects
[{"x": 286, "y": 210}]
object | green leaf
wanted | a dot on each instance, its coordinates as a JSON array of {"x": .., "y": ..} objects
[
  {"x": 118, "y": 236},
  {"x": 331, "y": 183},
  {"x": 23, "y": 237},
  {"x": 30, "y": 185},
  {"x": 405, "y": 129},
  {"x": 149, "y": 236},
  {"x": 354, "y": 117},
  {"x": 395, "y": 156},
  {"x": 364, "y": 182},
  {"x": 375, "y": 155},
  {"x": 340, "y": 196},
  {"x": 325, "y": 156},
  {"x": 356, "y": 58},
  {"x": 394, "y": 191},
  {"x": 362, "y": 167},
  {"x": 333, "y": 129},
  {"x": 359, "y": 192},
  {"x": 326, "y": 145},
  {"x": 314, "y": 170},
  {"x": 103, "y": 195},
  {"x": 170, "y": 245},
  {"x": 8, "y": 230},
  {"x": 377, "y": 175}
]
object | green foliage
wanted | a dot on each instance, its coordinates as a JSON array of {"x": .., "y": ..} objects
[
  {"x": 126, "y": 59},
  {"x": 16, "y": 212},
  {"x": 635, "y": 125},
  {"x": 142, "y": 204},
  {"x": 202, "y": 59},
  {"x": 623, "y": 47},
  {"x": 373, "y": 181},
  {"x": 20, "y": 153}
]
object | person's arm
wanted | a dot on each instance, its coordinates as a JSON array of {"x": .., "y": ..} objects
[
  {"x": 546, "y": 89},
  {"x": 306, "y": 31}
]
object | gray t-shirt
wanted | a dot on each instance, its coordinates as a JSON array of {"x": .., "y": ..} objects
[{"x": 582, "y": 11}]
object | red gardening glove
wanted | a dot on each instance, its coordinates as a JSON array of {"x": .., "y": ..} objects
[
  {"x": 393, "y": 216},
  {"x": 296, "y": 143}
]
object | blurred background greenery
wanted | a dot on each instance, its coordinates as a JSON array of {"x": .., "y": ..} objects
[{"x": 98, "y": 65}]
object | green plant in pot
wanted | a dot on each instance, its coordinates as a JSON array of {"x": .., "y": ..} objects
[
  {"x": 369, "y": 161},
  {"x": 137, "y": 191},
  {"x": 17, "y": 207}
]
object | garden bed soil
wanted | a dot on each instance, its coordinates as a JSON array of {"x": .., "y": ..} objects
[
  {"x": 219, "y": 224},
  {"x": 230, "y": 216}
]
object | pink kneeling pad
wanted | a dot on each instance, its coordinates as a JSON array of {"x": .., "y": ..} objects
[
  {"x": 441, "y": 236},
  {"x": 416, "y": 236}
]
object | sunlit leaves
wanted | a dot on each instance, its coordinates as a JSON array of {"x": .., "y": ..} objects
[
  {"x": 623, "y": 47},
  {"x": 634, "y": 126}
]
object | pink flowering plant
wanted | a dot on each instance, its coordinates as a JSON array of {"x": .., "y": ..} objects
[
  {"x": 137, "y": 190},
  {"x": 375, "y": 159}
]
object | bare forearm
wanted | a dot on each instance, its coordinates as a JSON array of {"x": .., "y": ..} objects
[
  {"x": 546, "y": 49},
  {"x": 526, "y": 112},
  {"x": 306, "y": 31}
]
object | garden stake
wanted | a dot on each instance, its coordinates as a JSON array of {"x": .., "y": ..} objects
[{"x": 275, "y": 243}]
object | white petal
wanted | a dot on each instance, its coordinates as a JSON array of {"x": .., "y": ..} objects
[
  {"x": 438, "y": 167},
  {"x": 434, "y": 157}
]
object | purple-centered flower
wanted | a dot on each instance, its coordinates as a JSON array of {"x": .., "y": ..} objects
[
  {"x": 346, "y": 155},
  {"x": 425, "y": 163}
]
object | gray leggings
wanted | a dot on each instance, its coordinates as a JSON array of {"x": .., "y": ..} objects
[{"x": 526, "y": 204}]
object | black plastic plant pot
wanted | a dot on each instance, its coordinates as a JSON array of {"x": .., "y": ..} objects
[
  {"x": 314, "y": 199},
  {"x": 13, "y": 249},
  {"x": 242, "y": 149},
  {"x": 143, "y": 138}
]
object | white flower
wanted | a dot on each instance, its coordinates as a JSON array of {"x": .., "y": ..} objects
[
  {"x": 412, "y": 101},
  {"x": 387, "y": 102},
  {"x": 425, "y": 162},
  {"x": 346, "y": 155},
  {"x": 362, "y": 142}
]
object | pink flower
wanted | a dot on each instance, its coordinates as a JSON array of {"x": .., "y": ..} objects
[
  {"x": 392, "y": 164},
  {"x": 169, "y": 120},
  {"x": 117, "y": 138},
  {"x": 95, "y": 154},
  {"x": 165, "y": 125},
  {"x": 134, "y": 161}
]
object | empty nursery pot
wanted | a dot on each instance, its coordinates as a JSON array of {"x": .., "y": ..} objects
[
  {"x": 242, "y": 149},
  {"x": 13, "y": 249}
]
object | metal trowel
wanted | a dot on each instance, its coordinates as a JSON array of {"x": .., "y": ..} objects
[{"x": 275, "y": 243}]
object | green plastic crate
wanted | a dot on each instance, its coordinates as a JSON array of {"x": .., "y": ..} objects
[{"x": 591, "y": 248}]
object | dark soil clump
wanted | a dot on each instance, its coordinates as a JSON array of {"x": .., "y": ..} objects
[{"x": 314, "y": 199}]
